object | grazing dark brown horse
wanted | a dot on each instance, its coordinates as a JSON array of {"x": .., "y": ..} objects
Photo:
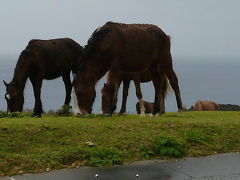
[
  {"x": 205, "y": 106},
  {"x": 42, "y": 59},
  {"x": 137, "y": 78},
  {"x": 124, "y": 48}
]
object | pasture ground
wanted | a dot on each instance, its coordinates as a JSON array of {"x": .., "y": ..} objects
[{"x": 53, "y": 142}]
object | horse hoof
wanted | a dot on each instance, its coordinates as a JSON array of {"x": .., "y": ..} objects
[
  {"x": 36, "y": 115},
  {"x": 154, "y": 115},
  {"x": 108, "y": 115},
  {"x": 122, "y": 113},
  {"x": 142, "y": 115},
  {"x": 78, "y": 114}
]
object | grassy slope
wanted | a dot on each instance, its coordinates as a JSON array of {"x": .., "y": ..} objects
[{"x": 33, "y": 145}]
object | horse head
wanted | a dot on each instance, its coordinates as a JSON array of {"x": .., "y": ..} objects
[
  {"x": 86, "y": 95},
  {"x": 13, "y": 97}
]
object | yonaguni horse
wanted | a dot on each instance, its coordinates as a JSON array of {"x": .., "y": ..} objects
[
  {"x": 42, "y": 59},
  {"x": 124, "y": 48},
  {"x": 147, "y": 105},
  {"x": 137, "y": 78},
  {"x": 205, "y": 106}
]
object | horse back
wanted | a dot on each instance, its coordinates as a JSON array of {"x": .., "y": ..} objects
[
  {"x": 131, "y": 38},
  {"x": 54, "y": 49},
  {"x": 131, "y": 47},
  {"x": 206, "y": 106},
  {"x": 52, "y": 57},
  {"x": 209, "y": 105}
]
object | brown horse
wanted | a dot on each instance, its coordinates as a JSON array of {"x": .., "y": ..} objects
[
  {"x": 42, "y": 59},
  {"x": 147, "y": 105},
  {"x": 124, "y": 48},
  {"x": 205, "y": 106},
  {"x": 137, "y": 78}
]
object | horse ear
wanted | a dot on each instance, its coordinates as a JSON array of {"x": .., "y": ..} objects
[{"x": 6, "y": 84}]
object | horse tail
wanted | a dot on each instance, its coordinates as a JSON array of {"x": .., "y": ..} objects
[{"x": 166, "y": 87}]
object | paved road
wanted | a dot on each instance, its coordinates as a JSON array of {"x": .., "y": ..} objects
[{"x": 217, "y": 167}]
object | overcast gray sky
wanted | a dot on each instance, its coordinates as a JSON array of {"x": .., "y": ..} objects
[{"x": 206, "y": 28}]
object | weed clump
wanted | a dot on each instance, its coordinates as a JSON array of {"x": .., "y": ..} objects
[
  {"x": 196, "y": 136},
  {"x": 99, "y": 157},
  {"x": 11, "y": 115},
  {"x": 15, "y": 115},
  {"x": 70, "y": 155},
  {"x": 145, "y": 151},
  {"x": 3, "y": 114},
  {"x": 65, "y": 111},
  {"x": 95, "y": 156},
  {"x": 168, "y": 146}
]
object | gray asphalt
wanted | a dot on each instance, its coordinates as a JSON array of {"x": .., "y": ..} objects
[{"x": 216, "y": 167}]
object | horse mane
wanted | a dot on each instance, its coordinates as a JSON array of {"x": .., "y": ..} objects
[
  {"x": 95, "y": 40},
  {"x": 22, "y": 58},
  {"x": 22, "y": 64},
  {"x": 92, "y": 46},
  {"x": 124, "y": 25}
]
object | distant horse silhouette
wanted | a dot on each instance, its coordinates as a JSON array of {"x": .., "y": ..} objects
[
  {"x": 205, "y": 106},
  {"x": 137, "y": 78},
  {"x": 42, "y": 59},
  {"x": 124, "y": 48},
  {"x": 147, "y": 105}
]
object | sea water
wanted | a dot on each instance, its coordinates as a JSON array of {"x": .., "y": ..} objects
[{"x": 199, "y": 78}]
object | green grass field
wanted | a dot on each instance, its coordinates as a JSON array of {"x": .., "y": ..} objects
[{"x": 51, "y": 142}]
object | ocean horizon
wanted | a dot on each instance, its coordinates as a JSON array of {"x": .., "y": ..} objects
[{"x": 200, "y": 78}]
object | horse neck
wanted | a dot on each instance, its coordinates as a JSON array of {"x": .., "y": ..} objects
[
  {"x": 20, "y": 76},
  {"x": 94, "y": 71},
  {"x": 97, "y": 73}
]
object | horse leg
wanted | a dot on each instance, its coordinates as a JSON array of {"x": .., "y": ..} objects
[
  {"x": 68, "y": 88},
  {"x": 174, "y": 83},
  {"x": 157, "y": 87},
  {"x": 113, "y": 82},
  {"x": 37, "y": 85},
  {"x": 139, "y": 96},
  {"x": 125, "y": 95},
  {"x": 156, "y": 107},
  {"x": 163, "y": 90},
  {"x": 112, "y": 107},
  {"x": 162, "y": 103}
]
